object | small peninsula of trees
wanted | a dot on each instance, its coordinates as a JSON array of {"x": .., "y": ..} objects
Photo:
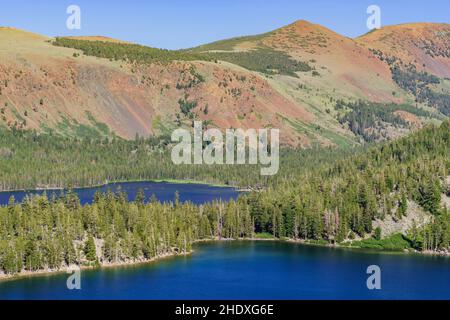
[{"x": 330, "y": 202}]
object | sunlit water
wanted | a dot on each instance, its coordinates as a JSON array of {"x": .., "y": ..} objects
[
  {"x": 252, "y": 270},
  {"x": 164, "y": 192}
]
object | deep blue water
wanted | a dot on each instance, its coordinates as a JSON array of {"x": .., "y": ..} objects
[
  {"x": 164, "y": 192},
  {"x": 252, "y": 270}
]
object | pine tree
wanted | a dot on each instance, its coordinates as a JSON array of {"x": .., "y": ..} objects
[
  {"x": 90, "y": 250},
  {"x": 430, "y": 196},
  {"x": 377, "y": 234}
]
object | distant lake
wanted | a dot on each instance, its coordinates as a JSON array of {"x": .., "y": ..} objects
[
  {"x": 252, "y": 270},
  {"x": 164, "y": 192}
]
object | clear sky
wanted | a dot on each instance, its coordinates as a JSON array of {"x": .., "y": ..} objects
[{"x": 177, "y": 24}]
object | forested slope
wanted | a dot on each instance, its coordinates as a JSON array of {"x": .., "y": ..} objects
[
  {"x": 290, "y": 78},
  {"x": 331, "y": 203},
  {"x": 29, "y": 160}
]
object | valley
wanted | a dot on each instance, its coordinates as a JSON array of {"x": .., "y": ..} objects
[{"x": 364, "y": 161}]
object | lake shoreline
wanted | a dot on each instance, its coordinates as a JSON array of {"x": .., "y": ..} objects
[
  {"x": 372, "y": 250},
  {"x": 107, "y": 183},
  {"x": 66, "y": 269},
  {"x": 29, "y": 274}
]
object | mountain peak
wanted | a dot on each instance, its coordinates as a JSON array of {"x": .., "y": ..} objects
[
  {"x": 301, "y": 22},
  {"x": 305, "y": 27}
]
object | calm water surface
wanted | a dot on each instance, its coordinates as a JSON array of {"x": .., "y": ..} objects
[
  {"x": 252, "y": 270},
  {"x": 164, "y": 192}
]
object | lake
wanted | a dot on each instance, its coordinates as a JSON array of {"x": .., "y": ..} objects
[
  {"x": 252, "y": 270},
  {"x": 164, "y": 192}
]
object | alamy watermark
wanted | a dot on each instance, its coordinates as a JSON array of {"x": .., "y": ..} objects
[
  {"x": 73, "y": 22},
  {"x": 211, "y": 147},
  {"x": 74, "y": 280},
  {"x": 374, "y": 280},
  {"x": 374, "y": 20}
]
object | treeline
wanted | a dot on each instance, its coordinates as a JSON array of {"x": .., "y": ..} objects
[
  {"x": 417, "y": 83},
  {"x": 264, "y": 60},
  {"x": 132, "y": 53},
  {"x": 330, "y": 202},
  {"x": 369, "y": 120},
  {"x": 412, "y": 80},
  {"x": 341, "y": 201},
  {"x": 44, "y": 233},
  {"x": 29, "y": 160}
]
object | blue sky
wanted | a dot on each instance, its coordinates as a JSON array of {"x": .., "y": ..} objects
[{"x": 177, "y": 24}]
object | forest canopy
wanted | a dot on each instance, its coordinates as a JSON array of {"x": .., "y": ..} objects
[{"x": 332, "y": 203}]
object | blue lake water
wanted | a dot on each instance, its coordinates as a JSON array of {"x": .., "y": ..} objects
[
  {"x": 164, "y": 192},
  {"x": 252, "y": 270}
]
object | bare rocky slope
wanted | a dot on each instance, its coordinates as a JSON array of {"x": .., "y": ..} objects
[{"x": 289, "y": 78}]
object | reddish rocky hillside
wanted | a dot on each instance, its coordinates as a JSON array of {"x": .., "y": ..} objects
[
  {"x": 43, "y": 86},
  {"x": 426, "y": 45},
  {"x": 290, "y": 78}
]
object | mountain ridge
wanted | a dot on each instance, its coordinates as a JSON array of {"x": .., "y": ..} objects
[{"x": 290, "y": 78}]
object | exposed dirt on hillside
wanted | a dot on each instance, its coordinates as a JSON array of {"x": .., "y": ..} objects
[
  {"x": 426, "y": 45},
  {"x": 408, "y": 117},
  {"x": 43, "y": 86},
  {"x": 351, "y": 68},
  {"x": 47, "y": 86},
  {"x": 415, "y": 215}
]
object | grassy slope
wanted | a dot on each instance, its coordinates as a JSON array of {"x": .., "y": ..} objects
[{"x": 129, "y": 99}]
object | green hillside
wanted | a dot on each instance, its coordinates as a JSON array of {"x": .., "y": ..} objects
[{"x": 331, "y": 203}]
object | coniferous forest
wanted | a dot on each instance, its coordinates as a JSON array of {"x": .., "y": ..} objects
[
  {"x": 30, "y": 160},
  {"x": 332, "y": 200}
]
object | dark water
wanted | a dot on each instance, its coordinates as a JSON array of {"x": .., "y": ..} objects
[
  {"x": 164, "y": 192},
  {"x": 252, "y": 270}
]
